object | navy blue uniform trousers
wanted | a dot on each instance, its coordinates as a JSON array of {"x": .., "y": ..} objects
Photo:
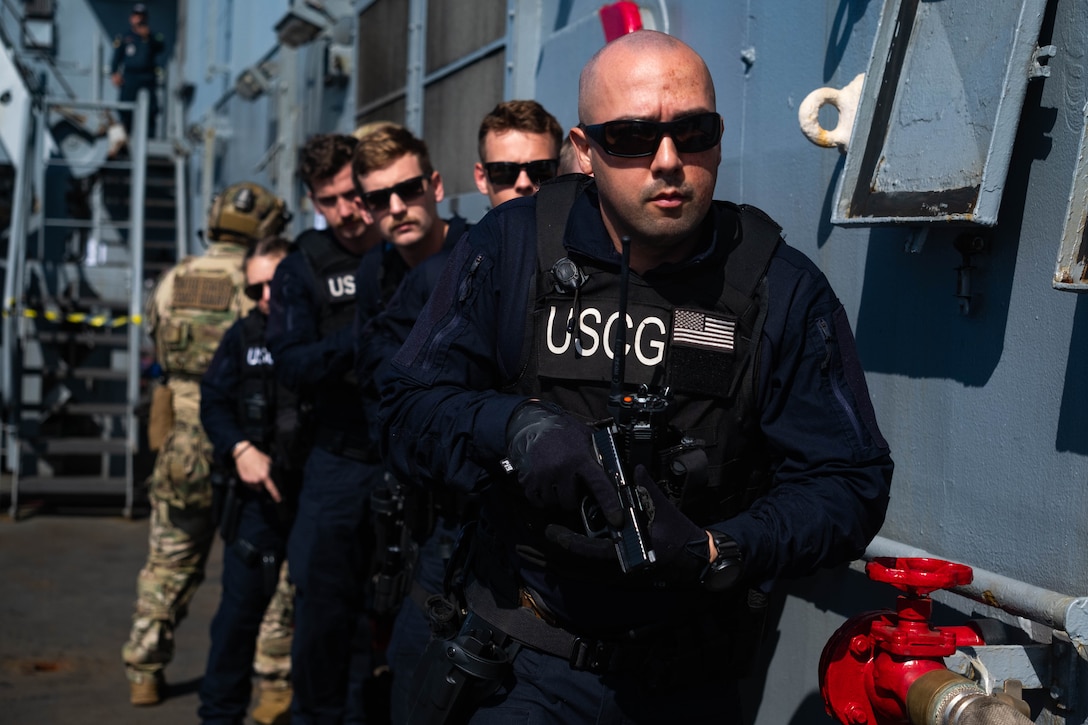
[
  {"x": 412, "y": 629},
  {"x": 330, "y": 652},
  {"x": 130, "y": 86},
  {"x": 250, "y": 573}
]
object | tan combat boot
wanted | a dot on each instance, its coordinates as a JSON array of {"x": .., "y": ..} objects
[
  {"x": 273, "y": 707},
  {"x": 146, "y": 689}
]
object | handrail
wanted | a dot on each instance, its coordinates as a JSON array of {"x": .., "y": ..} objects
[
  {"x": 137, "y": 191},
  {"x": 13, "y": 284}
]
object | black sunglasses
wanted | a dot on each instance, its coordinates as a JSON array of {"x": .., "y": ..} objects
[
  {"x": 633, "y": 139},
  {"x": 255, "y": 291},
  {"x": 506, "y": 173},
  {"x": 378, "y": 200}
]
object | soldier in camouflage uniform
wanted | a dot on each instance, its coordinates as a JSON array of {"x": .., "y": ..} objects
[
  {"x": 192, "y": 306},
  {"x": 272, "y": 662}
]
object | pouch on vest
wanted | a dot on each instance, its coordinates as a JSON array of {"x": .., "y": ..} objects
[{"x": 161, "y": 417}]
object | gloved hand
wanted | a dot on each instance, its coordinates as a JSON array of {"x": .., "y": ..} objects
[
  {"x": 681, "y": 547},
  {"x": 556, "y": 464}
]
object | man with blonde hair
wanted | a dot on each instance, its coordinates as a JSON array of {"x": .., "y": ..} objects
[{"x": 401, "y": 190}]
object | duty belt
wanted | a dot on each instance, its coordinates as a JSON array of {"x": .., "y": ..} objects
[{"x": 528, "y": 625}]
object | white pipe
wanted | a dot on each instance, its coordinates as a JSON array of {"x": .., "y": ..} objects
[{"x": 1053, "y": 609}]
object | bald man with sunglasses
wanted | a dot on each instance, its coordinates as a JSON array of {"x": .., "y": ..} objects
[{"x": 660, "y": 405}]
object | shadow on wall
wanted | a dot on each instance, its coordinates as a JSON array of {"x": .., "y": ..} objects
[
  {"x": 910, "y": 321},
  {"x": 811, "y": 711},
  {"x": 839, "y": 591},
  {"x": 1073, "y": 417}
]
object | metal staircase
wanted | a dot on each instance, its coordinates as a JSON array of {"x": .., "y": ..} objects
[{"x": 90, "y": 233}]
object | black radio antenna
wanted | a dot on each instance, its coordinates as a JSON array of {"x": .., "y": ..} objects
[{"x": 619, "y": 346}]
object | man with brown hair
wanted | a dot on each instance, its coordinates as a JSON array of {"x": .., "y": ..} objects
[
  {"x": 519, "y": 148},
  {"x": 314, "y": 294}
]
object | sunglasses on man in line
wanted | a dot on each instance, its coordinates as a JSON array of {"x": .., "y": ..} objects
[
  {"x": 256, "y": 290},
  {"x": 407, "y": 190},
  {"x": 635, "y": 139},
  {"x": 506, "y": 173}
]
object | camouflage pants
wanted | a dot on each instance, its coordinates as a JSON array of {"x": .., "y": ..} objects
[
  {"x": 179, "y": 540},
  {"x": 272, "y": 662}
]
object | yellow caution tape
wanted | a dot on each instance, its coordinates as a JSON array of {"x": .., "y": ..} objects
[{"x": 78, "y": 318}]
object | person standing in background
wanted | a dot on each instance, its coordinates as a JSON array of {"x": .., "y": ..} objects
[{"x": 137, "y": 63}]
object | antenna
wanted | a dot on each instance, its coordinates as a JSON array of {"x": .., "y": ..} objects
[{"x": 619, "y": 347}]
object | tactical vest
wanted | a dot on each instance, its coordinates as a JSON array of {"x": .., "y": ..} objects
[
  {"x": 689, "y": 334},
  {"x": 268, "y": 413},
  {"x": 334, "y": 269},
  {"x": 204, "y": 303},
  {"x": 257, "y": 384}
]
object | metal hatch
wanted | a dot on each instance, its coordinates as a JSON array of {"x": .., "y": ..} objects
[{"x": 938, "y": 114}]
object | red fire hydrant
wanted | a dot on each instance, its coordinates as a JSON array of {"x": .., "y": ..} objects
[{"x": 870, "y": 663}]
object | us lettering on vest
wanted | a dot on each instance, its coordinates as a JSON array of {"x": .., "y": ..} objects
[
  {"x": 341, "y": 285},
  {"x": 258, "y": 356}
]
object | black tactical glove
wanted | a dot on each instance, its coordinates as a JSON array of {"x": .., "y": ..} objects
[
  {"x": 681, "y": 547},
  {"x": 556, "y": 464},
  {"x": 676, "y": 539}
]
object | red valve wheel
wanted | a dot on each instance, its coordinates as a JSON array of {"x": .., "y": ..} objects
[{"x": 918, "y": 576}]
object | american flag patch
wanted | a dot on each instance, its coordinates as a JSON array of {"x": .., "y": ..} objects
[{"x": 698, "y": 329}]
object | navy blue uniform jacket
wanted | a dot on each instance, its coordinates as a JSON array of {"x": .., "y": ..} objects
[
  {"x": 391, "y": 298},
  {"x": 138, "y": 57},
  {"x": 219, "y": 390},
  {"x": 444, "y": 418}
]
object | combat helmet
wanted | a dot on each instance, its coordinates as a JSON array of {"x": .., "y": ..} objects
[{"x": 246, "y": 212}]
